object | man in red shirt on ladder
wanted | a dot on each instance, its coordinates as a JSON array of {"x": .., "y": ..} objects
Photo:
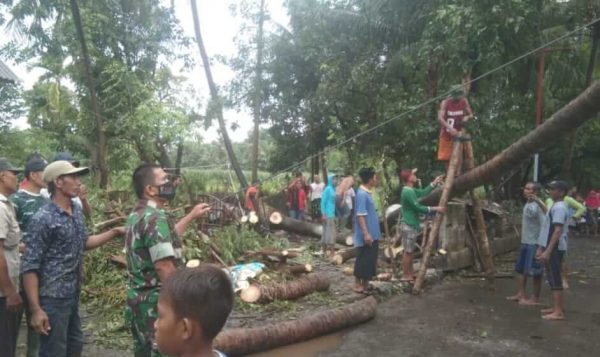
[{"x": 454, "y": 112}]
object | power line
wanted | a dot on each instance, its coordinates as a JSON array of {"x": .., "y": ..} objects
[{"x": 435, "y": 99}]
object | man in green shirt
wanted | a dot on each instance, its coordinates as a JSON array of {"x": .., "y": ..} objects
[
  {"x": 410, "y": 224},
  {"x": 153, "y": 250}
]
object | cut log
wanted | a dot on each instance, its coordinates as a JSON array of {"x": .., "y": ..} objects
[
  {"x": 273, "y": 253},
  {"x": 192, "y": 263},
  {"x": 290, "y": 290},
  {"x": 343, "y": 255},
  {"x": 280, "y": 221},
  {"x": 281, "y": 255},
  {"x": 113, "y": 222},
  {"x": 297, "y": 268},
  {"x": 119, "y": 261},
  {"x": 345, "y": 239},
  {"x": 243, "y": 341}
]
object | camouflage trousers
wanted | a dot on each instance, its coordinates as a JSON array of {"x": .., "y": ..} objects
[{"x": 140, "y": 314}]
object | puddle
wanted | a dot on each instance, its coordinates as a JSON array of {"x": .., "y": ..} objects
[{"x": 310, "y": 348}]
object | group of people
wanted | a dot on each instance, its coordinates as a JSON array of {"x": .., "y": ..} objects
[
  {"x": 42, "y": 244},
  {"x": 544, "y": 244}
]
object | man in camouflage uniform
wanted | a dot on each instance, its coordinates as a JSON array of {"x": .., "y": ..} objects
[
  {"x": 153, "y": 252},
  {"x": 27, "y": 201}
]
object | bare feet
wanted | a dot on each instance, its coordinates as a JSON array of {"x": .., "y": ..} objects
[
  {"x": 547, "y": 311},
  {"x": 529, "y": 302},
  {"x": 517, "y": 297},
  {"x": 554, "y": 316}
]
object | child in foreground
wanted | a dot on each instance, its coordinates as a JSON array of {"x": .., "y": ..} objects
[{"x": 192, "y": 309}]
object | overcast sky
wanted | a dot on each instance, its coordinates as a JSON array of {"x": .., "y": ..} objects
[{"x": 218, "y": 30}]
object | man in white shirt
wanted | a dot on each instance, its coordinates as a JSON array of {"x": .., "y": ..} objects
[{"x": 316, "y": 192}]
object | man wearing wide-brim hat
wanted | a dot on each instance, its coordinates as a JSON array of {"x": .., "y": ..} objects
[
  {"x": 10, "y": 238},
  {"x": 58, "y": 238}
]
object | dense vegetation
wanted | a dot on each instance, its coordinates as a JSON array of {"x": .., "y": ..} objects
[{"x": 338, "y": 68}]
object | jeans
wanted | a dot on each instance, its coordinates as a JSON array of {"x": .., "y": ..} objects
[
  {"x": 296, "y": 214},
  {"x": 9, "y": 329},
  {"x": 65, "y": 338}
]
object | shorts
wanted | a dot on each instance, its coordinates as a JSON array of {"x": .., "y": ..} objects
[
  {"x": 409, "y": 237},
  {"x": 444, "y": 148},
  {"x": 554, "y": 269},
  {"x": 365, "y": 265},
  {"x": 526, "y": 263},
  {"x": 329, "y": 233}
]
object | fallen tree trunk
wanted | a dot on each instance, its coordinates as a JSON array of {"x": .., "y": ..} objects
[
  {"x": 242, "y": 341},
  {"x": 343, "y": 255},
  {"x": 280, "y": 221},
  {"x": 571, "y": 116},
  {"x": 291, "y": 290}
]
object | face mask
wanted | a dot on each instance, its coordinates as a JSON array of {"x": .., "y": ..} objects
[{"x": 166, "y": 191}]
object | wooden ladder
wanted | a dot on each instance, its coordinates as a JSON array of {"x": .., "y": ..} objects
[{"x": 462, "y": 143}]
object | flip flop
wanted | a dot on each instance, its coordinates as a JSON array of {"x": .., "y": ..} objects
[
  {"x": 513, "y": 298},
  {"x": 407, "y": 280}
]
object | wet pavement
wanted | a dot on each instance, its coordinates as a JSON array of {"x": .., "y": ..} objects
[{"x": 466, "y": 319}]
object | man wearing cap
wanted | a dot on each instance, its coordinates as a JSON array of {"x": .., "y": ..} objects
[
  {"x": 53, "y": 261},
  {"x": 81, "y": 199},
  {"x": 27, "y": 201},
  {"x": 454, "y": 112},
  {"x": 10, "y": 238},
  {"x": 410, "y": 224},
  {"x": 552, "y": 243}
]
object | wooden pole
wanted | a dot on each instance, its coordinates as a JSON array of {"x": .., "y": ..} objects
[
  {"x": 481, "y": 236},
  {"x": 435, "y": 229}
]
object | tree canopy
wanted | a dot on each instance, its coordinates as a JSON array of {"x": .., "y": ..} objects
[{"x": 337, "y": 69}]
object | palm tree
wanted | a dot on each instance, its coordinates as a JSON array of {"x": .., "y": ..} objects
[
  {"x": 215, "y": 97},
  {"x": 101, "y": 144}
]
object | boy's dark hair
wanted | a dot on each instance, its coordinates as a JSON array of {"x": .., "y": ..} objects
[
  {"x": 537, "y": 187},
  {"x": 203, "y": 294},
  {"x": 143, "y": 176},
  {"x": 366, "y": 174}
]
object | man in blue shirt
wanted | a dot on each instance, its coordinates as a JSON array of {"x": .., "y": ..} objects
[
  {"x": 366, "y": 231},
  {"x": 53, "y": 261},
  {"x": 552, "y": 243}
]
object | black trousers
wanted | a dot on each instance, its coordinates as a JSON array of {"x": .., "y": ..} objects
[{"x": 9, "y": 329}]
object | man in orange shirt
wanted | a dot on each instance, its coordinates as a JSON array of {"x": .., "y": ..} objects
[
  {"x": 252, "y": 195},
  {"x": 454, "y": 112}
]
